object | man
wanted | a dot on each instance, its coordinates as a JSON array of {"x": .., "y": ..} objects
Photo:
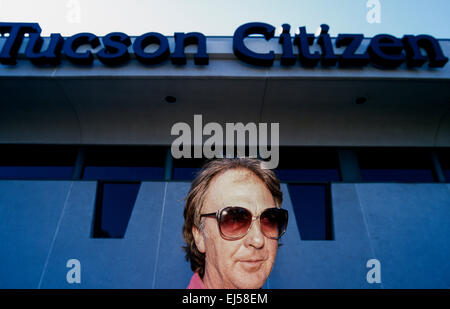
[{"x": 233, "y": 222}]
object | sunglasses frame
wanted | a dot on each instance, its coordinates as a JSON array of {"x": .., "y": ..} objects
[{"x": 218, "y": 216}]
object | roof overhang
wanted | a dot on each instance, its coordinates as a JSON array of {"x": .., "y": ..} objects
[{"x": 70, "y": 104}]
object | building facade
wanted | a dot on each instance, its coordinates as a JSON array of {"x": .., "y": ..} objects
[{"x": 87, "y": 176}]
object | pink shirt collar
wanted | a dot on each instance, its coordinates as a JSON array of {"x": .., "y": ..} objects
[{"x": 196, "y": 282}]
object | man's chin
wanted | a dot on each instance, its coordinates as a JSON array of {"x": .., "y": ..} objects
[
  {"x": 249, "y": 285},
  {"x": 248, "y": 280}
]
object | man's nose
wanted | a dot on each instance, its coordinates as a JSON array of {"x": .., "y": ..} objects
[{"x": 255, "y": 237}]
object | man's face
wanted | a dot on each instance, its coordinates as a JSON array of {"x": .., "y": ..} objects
[{"x": 244, "y": 263}]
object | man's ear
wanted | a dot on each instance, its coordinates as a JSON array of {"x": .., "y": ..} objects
[{"x": 199, "y": 239}]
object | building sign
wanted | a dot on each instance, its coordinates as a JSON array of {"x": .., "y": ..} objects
[{"x": 384, "y": 50}]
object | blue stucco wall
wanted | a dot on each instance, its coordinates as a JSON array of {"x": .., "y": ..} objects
[{"x": 43, "y": 224}]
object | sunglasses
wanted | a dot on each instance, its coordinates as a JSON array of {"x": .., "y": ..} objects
[{"x": 235, "y": 222}]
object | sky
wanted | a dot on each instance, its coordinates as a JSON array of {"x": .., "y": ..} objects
[{"x": 221, "y": 18}]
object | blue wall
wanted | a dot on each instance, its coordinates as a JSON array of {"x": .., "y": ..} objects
[{"x": 43, "y": 224}]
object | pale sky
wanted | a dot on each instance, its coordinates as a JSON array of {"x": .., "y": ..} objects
[{"x": 212, "y": 17}]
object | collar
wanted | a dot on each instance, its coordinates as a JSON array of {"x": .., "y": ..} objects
[{"x": 196, "y": 282}]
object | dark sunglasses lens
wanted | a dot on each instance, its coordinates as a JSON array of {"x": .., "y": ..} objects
[
  {"x": 274, "y": 222},
  {"x": 235, "y": 221}
]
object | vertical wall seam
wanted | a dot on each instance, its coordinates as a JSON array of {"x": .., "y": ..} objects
[
  {"x": 159, "y": 235},
  {"x": 44, "y": 269},
  {"x": 266, "y": 81},
  {"x": 66, "y": 97},
  {"x": 438, "y": 128},
  {"x": 366, "y": 226}
]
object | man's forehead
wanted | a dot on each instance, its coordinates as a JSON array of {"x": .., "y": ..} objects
[
  {"x": 232, "y": 186},
  {"x": 237, "y": 176}
]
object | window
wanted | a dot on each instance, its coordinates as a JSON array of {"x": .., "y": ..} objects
[
  {"x": 308, "y": 164},
  {"x": 37, "y": 162},
  {"x": 308, "y": 172},
  {"x": 186, "y": 169},
  {"x": 312, "y": 210},
  {"x": 119, "y": 171},
  {"x": 444, "y": 158},
  {"x": 114, "y": 204},
  {"x": 124, "y": 163},
  {"x": 396, "y": 165}
]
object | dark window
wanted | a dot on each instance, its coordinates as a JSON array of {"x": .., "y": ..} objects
[
  {"x": 312, "y": 210},
  {"x": 307, "y": 164},
  {"x": 123, "y": 172},
  {"x": 396, "y": 165},
  {"x": 114, "y": 204},
  {"x": 444, "y": 159},
  {"x": 125, "y": 163},
  {"x": 37, "y": 161},
  {"x": 186, "y": 169}
]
